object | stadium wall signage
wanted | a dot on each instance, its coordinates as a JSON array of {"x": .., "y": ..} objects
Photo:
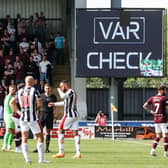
[
  {"x": 125, "y": 132},
  {"x": 108, "y": 46}
]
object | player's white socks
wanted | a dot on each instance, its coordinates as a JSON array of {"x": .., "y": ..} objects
[
  {"x": 77, "y": 144},
  {"x": 25, "y": 151},
  {"x": 61, "y": 143},
  {"x": 40, "y": 149}
]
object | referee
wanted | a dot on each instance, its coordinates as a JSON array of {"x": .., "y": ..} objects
[{"x": 47, "y": 115}]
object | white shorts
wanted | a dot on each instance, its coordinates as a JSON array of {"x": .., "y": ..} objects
[
  {"x": 69, "y": 123},
  {"x": 17, "y": 124},
  {"x": 34, "y": 126},
  {"x": 161, "y": 128}
]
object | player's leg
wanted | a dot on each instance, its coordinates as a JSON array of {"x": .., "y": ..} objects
[
  {"x": 18, "y": 137},
  {"x": 11, "y": 131},
  {"x": 156, "y": 139},
  {"x": 75, "y": 127},
  {"x": 36, "y": 128},
  {"x": 25, "y": 135},
  {"x": 5, "y": 140},
  {"x": 49, "y": 126},
  {"x": 48, "y": 137},
  {"x": 7, "y": 135},
  {"x": 64, "y": 124},
  {"x": 10, "y": 138},
  {"x": 165, "y": 138}
]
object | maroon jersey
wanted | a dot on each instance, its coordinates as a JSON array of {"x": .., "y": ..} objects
[{"x": 159, "y": 104}]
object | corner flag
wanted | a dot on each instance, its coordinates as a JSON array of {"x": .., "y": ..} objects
[{"x": 113, "y": 108}]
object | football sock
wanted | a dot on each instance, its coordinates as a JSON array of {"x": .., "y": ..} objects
[
  {"x": 47, "y": 142},
  {"x": 10, "y": 139},
  {"x": 61, "y": 143},
  {"x": 77, "y": 144},
  {"x": 25, "y": 151},
  {"x": 40, "y": 149},
  {"x": 165, "y": 143},
  {"x": 155, "y": 142},
  {"x": 6, "y": 137},
  {"x": 18, "y": 139}
]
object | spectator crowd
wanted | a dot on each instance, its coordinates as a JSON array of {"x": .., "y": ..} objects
[{"x": 26, "y": 48}]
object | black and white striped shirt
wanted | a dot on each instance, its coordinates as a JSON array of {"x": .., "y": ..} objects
[
  {"x": 70, "y": 104},
  {"x": 26, "y": 98}
]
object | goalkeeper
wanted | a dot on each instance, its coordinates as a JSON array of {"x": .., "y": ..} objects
[{"x": 9, "y": 123}]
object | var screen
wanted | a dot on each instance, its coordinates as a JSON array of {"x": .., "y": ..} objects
[{"x": 120, "y": 43}]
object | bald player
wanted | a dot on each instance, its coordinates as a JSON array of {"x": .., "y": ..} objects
[{"x": 29, "y": 102}]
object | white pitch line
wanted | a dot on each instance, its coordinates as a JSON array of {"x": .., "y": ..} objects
[{"x": 142, "y": 143}]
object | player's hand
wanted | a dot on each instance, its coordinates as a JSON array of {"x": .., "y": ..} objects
[
  {"x": 51, "y": 104},
  {"x": 58, "y": 89},
  {"x": 153, "y": 112}
]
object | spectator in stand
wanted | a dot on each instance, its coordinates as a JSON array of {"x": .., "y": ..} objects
[
  {"x": 24, "y": 44},
  {"x": 2, "y": 63},
  {"x": 10, "y": 55},
  {"x": 6, "y": 40},
  {"x": 9, "y": 75},
  {"x": 20, "y": 73},
  {"x": 59, "y": 45},
  {"x": 6, "y": 21},
  {"x": 41, "y": 15},
  {"x": 43, "y": 69},
  {"x": 50, "y": 50},
  {"x": 37, "y": 45},
  {"x": 1, "y": 30},
  {"x": 36, "y": 16},
  {"x": 43, "y": 52},
  {"x": 101, "y": 118},
  {"x": 30, "y": 28},
  {"x": 23, "y": 56},
  {"x": 38, "y": 86},
  {"x": 36, "y": 57},
  {"x": 32, "y": 69},
  {"x": 18, "y": 60},
  {"x": 31, "y": 48},
  {"x": 40, "y": 31},
  {"x": 12, "y": 35},
  {"x": 49, "y": 73},
  {"x": 2, "y": 96},
  {"x": 21, "y": 29}
]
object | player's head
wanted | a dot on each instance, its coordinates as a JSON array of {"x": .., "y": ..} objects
[
  {"x": 47, "y": 88},
  {"x": 12, "y": 89},
  {"x": 29, "y": 81},
  {"x": 162, "y": 89},
  {"x": 64, "y": 85}
]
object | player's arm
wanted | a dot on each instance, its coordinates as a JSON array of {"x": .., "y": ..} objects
[
  {"x": 57, "y": 104},
  {"x": 62, "y": 94},
  {"x": 14, "y": 106},
  {"x": 39, "y": 103},
  {"x": 146, "y": 107}
]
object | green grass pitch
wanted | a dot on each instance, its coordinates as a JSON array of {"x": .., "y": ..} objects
[{"x": 99, "y": 153}]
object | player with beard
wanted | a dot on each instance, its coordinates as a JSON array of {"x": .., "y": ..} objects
[
  {"x": 70, "y": 119},
  {"x": 159, "y": 104}
]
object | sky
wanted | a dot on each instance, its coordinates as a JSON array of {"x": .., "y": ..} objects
[{"x": 129, "y": 3}]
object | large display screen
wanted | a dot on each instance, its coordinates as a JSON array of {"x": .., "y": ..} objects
[{"x": 120, "y": 43}]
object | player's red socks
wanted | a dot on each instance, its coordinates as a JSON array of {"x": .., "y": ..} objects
[
  {"x": 155, "y": 142},
  {"x": 165, "y": 143}
]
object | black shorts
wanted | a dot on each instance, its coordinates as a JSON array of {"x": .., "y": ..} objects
[{"x": 48, "y": 123}]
